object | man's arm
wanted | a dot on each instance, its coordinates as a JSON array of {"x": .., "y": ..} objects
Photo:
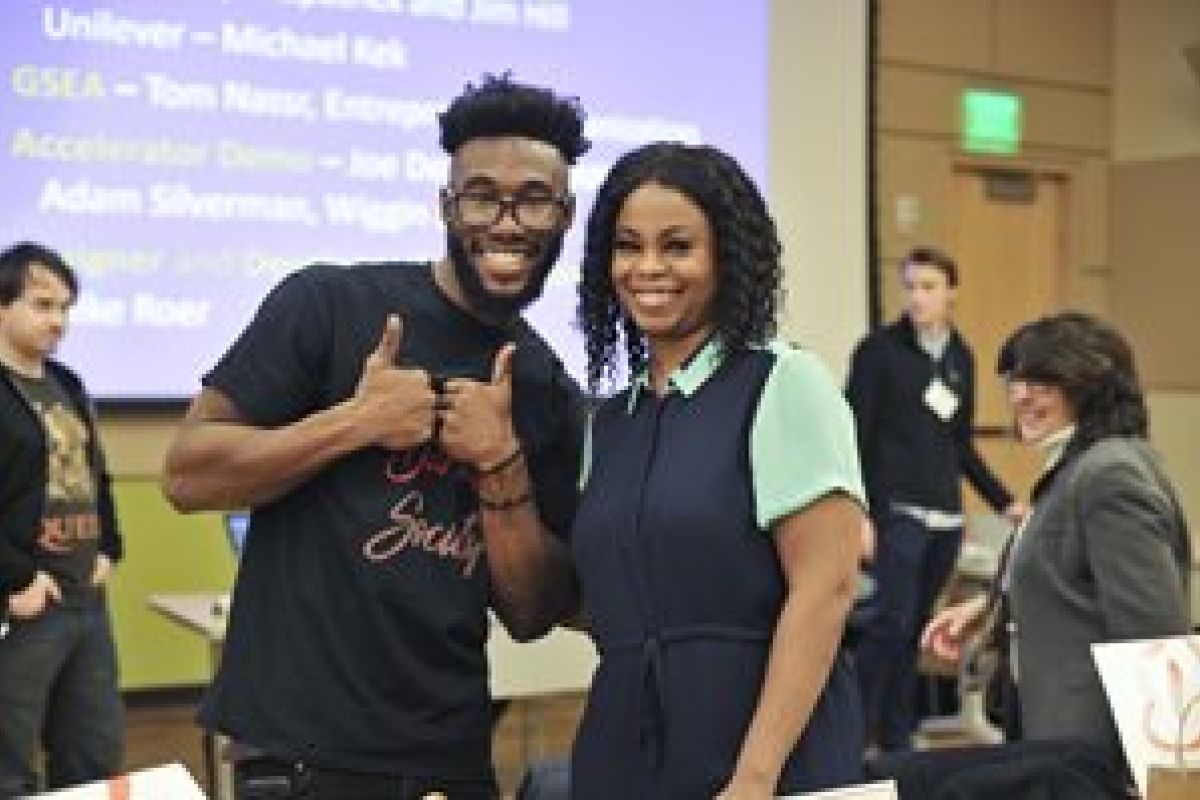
[
  {"x": 532, "y": 580},
  {"x": 220, "y": 461},
  {"x": 976, "y": 470}
]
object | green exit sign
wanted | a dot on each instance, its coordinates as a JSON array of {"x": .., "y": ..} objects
[{"x": 991, "y": 122}]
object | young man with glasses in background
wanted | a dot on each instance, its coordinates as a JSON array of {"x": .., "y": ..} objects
[{"x": 410, "y": 448}]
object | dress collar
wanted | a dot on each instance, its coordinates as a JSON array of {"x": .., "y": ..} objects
[{"x": 687, "y": 378}]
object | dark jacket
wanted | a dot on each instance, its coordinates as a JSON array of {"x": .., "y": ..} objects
[
  {"x": 910, "y": 455},
  {"x": 23, "y": 477},
  {"x": 1022, "y": 770}
]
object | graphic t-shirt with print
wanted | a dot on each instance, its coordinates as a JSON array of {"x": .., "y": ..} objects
[
  {"x": 357, "y": 632},
  {"x": 68, "y": 539}
]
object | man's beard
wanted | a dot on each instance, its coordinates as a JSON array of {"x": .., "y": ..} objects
[{"x": 489, "y": 306}]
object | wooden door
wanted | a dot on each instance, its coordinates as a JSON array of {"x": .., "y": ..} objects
[{"x": 1009, "y": 237}]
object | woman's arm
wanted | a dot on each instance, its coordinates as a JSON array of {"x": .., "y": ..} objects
[{"x": 819, "y": 548}]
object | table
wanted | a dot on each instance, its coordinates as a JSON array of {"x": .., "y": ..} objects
[
  {"x": 204, "y": 613},
  {"x": 561, "y": 661}
]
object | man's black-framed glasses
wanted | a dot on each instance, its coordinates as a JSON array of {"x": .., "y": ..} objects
[{"x": 538, "y": 212}]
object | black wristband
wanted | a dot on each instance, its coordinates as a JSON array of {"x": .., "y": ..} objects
[
  {"x": 503, "y": 463},
  {"x": 503, "y": 505}
]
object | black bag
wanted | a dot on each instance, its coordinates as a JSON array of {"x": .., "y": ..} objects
[{"x": 1030, "y": 770}]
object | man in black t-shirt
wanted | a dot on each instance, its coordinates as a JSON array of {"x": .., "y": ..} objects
[
  {"x": 58, "y": 543},
  {"x": 410, "y": 448}
]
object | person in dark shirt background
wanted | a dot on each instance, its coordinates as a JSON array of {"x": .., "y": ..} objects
[
  {"x": 912, "y": 388},
  {"x": 59, "y": 541}
]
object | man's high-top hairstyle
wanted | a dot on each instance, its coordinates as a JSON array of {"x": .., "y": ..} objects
[
  {"x": 16, "y": 261},
  {"x": 499, "y": 106}
]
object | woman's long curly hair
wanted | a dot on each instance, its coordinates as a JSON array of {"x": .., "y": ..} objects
[
  {"x": 1091, "y": 363},
  {"x": 747, "y": 248}
]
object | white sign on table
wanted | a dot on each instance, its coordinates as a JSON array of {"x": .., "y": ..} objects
[
  {"x": 881, "y": 790},
  {"x": 155, "y": 783},
  {"x": 1153, "y": 688}
]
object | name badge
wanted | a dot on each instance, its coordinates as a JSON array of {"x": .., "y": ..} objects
[{"x": 940, "y": 399}]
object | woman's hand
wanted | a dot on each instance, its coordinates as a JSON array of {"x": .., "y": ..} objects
[{"x": 946, "y": 633}]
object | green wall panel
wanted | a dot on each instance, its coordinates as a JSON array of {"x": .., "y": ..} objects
[{"x": 164, "y": 552}]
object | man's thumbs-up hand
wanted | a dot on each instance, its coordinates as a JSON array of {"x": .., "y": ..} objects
[
  {"x": 502, "y": 367},
  {"x": 384, "y": 354},
  {"x": 476, "y": 426},
  {"x": 394, "y": 406}
]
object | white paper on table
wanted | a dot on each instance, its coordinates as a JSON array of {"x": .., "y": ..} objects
[
  {"x": 156, "y": 783},
  {"x": 1149, "y": 684},
  {"x": 881, "y": 790}
]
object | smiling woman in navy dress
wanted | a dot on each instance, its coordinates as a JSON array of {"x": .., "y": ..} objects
[{"x": 718, "y": 537}]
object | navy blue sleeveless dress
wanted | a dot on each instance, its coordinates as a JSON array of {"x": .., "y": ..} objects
[{"x": 683, "y": 588}]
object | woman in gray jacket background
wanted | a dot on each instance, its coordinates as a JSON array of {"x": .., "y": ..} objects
[{"x": 1103, "y": 556}]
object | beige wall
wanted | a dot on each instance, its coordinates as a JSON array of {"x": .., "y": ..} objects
[
  {"x": 1156, "y": 167},
  {"x": 136, "y": 442},
  {"x": 1155, "y": 254},
  {"x": 1155, "y": 238},
  {"x": 1056, "y": 55},
  {"x": 1156, "y": 98},
  {"x": 1156, "y": 180},
  {"x": 818, "y": 170},
  {"x": 1174, "y": 417}
]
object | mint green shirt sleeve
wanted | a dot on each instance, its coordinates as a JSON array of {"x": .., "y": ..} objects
[{"x": 802, "y": 445}]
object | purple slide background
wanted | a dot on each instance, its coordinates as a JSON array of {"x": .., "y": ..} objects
[{"x": 701, "y": 64}]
